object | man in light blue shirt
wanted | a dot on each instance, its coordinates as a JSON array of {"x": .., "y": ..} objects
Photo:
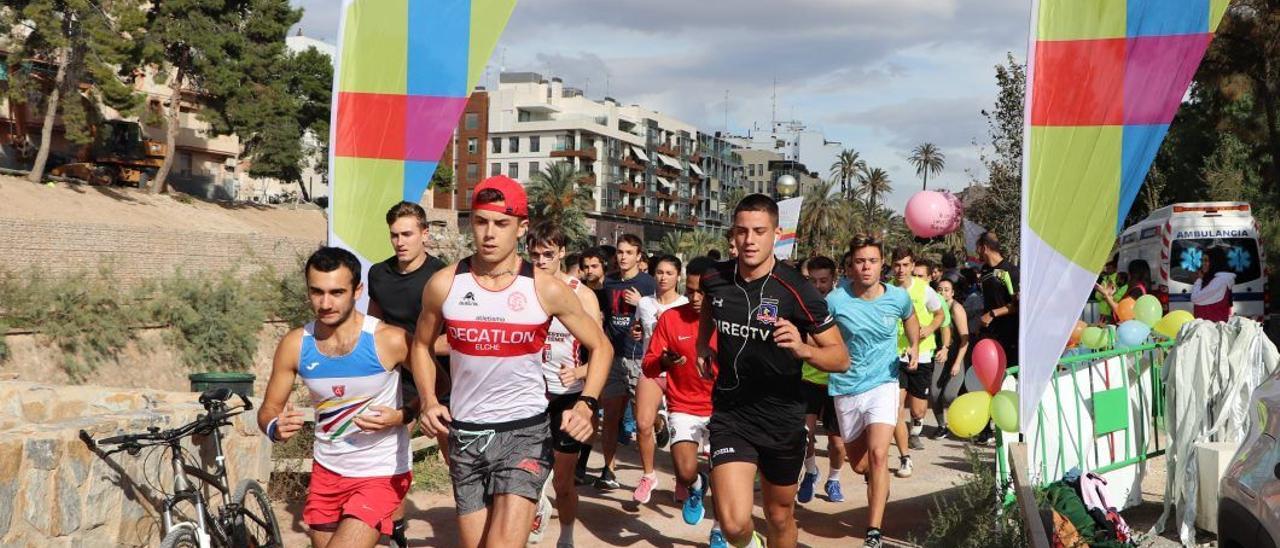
[{"x": 867, "y": 312}]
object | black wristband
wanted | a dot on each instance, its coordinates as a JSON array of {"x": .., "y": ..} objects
[{"x": 591, "y": 402}]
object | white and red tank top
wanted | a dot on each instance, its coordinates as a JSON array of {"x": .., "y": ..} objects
[
  {"x": 496, "y": 341},
  {"x": 343, "y": 387},
  {"x": 561, "y": 350}
]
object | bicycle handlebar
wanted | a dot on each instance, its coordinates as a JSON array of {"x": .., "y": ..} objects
[{"x": 214, "y": 419}]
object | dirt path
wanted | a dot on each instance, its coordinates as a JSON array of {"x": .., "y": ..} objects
[{"x": 613, "y": 519}]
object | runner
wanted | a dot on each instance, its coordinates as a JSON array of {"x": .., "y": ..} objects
[
  {"x": 914, "y": 383},
  {"x": 948, "y": 374},
  {"x": 622, "y": 293},
  {"x": 497, "y": 309},
  {"x": 350, "y": 364},
  {"x": 762, "y": 311},
  {"x": 868, "y": 311},
  {"x": 672, "y": 351},
  {"x": 395, "y": 296},
  {"x": 821, "y": 272},
  {"x": 649, "y": 390},
  {"x": 564, "y": 376},
  {"x": 999, "y": 318},
  {"x": 592, "y": 266}
]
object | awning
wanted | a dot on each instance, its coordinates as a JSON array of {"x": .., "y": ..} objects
[
  {"x": 670, "y": 161},
  {"x": 665, "y": 182},
  {"x": 696, "y": 169},
  {"x": 639, "y": 152}
]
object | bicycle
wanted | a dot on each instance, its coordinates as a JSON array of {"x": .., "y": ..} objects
[{"x": 246, "y": 521}]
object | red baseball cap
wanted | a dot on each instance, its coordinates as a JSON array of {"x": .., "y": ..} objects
[{"x": 514, "y": 201}]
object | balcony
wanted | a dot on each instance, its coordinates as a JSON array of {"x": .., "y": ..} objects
[
  {"x": 566, "y": 152},
  {"x": 587, "y": 180},
  {"x": 631, "y": 188},
  {"x": 631, "y": 164},
  {"x": 669, "y": 151}
]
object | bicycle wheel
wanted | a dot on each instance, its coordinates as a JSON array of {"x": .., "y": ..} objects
[
  {"x": 255, "y": 526},
  {"x": 182, "y": 537}
]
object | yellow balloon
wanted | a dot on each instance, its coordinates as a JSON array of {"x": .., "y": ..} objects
[
  {"x": 969, "y": 414},
  {"x": 1172, "y": 322}
]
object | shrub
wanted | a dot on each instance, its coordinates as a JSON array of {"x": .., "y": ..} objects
[
  {"x": 215, "y": 320},
  {"x": 973, "y": 516},
  {"x": 284, "y": 297},
  {"x": 4, "y": 345}
]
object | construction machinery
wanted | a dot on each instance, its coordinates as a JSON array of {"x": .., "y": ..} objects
[{"x": 120, "y": 154}]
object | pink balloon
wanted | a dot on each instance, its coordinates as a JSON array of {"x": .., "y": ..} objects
[
  {"x": 930, "y": 214},
  {"x": 989, "y": 364}
]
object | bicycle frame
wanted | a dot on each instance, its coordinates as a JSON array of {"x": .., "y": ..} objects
[{"x": 186, "y": 491}]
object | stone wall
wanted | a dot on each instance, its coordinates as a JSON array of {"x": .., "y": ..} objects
[
  {"x": 138, "y": 253},
  {"x": 55, "y": 491}
]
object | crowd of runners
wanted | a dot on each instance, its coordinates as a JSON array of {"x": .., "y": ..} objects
[{"x": 515, "y": 363}]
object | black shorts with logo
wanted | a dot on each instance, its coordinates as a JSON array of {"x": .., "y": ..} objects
[
  {"x": 779, "y": 464},
  {"x": 556, "y": 408},
  {"x": 917, "y": 382}
]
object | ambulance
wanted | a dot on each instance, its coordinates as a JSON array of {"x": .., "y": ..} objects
[{"x": 1173, "y": 240}]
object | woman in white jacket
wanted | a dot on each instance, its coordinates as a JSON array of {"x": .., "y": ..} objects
[{"x": 1211, "y": 294}]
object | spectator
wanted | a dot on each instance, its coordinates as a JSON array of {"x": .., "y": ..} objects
[{"x": 1211, "y": 295}]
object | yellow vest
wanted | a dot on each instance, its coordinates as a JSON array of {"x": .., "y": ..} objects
[{"x": 918, "y": 295}]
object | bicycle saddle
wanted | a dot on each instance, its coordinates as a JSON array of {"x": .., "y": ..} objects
[{"x": 215, "y": 394}]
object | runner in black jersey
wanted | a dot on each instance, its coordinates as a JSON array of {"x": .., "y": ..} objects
[{"x": 769, "y": 320}]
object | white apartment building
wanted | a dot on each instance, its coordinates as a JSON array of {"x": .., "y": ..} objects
[
  {"x": 644, "y": 166},
  {"x": 795, "y": 142}
]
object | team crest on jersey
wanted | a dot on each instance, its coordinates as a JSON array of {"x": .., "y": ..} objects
[
  {"x": 517, "y": 301},
  {"x": 339, "y": 390},
  {"x": 469, "y": 300},
  {"x": 768, "y": 311}
]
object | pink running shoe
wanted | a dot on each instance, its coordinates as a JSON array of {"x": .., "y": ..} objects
[{"x": 645, "y": 489}]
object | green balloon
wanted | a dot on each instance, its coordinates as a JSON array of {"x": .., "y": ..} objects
[
  {"x": 1093, "y": 337},
  {"x": 1147, "y": 310},
  {"x": 1004, "y": 410}
]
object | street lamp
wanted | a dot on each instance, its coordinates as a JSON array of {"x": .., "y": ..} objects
[{"x": 787, "y": 186}]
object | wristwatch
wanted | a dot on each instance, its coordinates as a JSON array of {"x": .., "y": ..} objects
[{"x": 591, "y": 402}]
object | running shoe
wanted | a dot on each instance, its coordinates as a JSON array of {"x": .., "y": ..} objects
[
  {"x": 873, "y": 541},
  {"x": 939, "y": 432},
  {"x": 607, "y": 480},
  {"x": 540, "y": 520},
  {"x": 807, "y": 485},
  {"x": 904, "y": 467},
  {"x": 717, "y": 539},
  {"x": 913, "y": 441},
  {"x": 681, "y": 492},
  {"x": 398, "y": 538},
  {"x": 645, "y": 489},
  {"x": 834, "y": 493},
  {"x": 693, "y": 509}
]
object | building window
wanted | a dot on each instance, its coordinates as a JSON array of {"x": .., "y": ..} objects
[
  {"x": 533, "y": 168},
  {"x": 496, "y": 145},
  {"x": 535, "y": 144},
  {"x": 473, "y": 172},
  {"x": 495, "y": 169},
  {"x": 473, "y": 145},
  {"x": 513, "y": 170},
  {"x": 473, "y": 120},
  {"x": 470, "y": 191},
  {"x": 513, "y": 145}
]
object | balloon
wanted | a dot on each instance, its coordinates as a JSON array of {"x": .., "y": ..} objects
[
  {"x": 989, "y": 362},
  {"x": 1172, "y": 322},
  {"x": 929, "y": 214},
  {"x": 1076, "y": 332},
  {"x": 1093, "y": 337},
  {"x": 1132, "y": 333},
  {"x": 969, "y": 414},
  {"x": 971, "y": 381},
  {"x": 957, "y": 208},
  {"x": 1004, "y": 410},
  {"x": 1124, "y": 309},
  {"x": 1147, "y": 310}
]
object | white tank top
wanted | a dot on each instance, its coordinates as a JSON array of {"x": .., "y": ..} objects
[
  {"x": 345, "y": 386},
  {"x": 496, "y": 341},
  {"x": 561, "y": 349}
]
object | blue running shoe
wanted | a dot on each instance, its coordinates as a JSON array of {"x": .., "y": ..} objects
[
  {"x": 717, "y": 539},
  {"x": 807, "y": 485},
  {"x": 834, "y": 494},
  {"x": 694, "y": 510}
]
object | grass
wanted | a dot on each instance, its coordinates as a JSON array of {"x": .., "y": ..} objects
[{"x": 431, "y": 474}]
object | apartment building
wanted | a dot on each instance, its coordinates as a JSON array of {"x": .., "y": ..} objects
[{"x": 724, "y": 171}]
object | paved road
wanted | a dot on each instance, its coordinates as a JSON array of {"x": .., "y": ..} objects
[{"x": 613, "y": 519}]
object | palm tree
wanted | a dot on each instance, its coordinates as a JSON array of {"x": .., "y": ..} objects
[
  {"x": 557, "y": 194},
  {"x": 846, "y": 169},
  {"x": 672, "y": 243},
  {"x": 822, "y": 214},
  {"x": 731, "y": 197},
  {"x": 698, "y": 242},
  {"x": 875, "y": 184},
  {"x": 927, "y": 159}
]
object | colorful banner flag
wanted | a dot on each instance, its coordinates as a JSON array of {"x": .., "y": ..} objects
[
  {"x": 788, "y": 221},
  {"x": 1104, "y": 80},
  {"x": 401, "y": 80}
]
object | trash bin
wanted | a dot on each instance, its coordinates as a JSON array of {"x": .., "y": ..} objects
[{"x": 239, "y": 383}]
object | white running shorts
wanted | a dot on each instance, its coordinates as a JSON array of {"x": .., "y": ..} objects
[
  {"x": 686, "y": 427},
  {"x": 876, "y": 406}
]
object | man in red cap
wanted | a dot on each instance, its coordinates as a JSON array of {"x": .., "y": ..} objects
[{"x": 496, "y": 309}]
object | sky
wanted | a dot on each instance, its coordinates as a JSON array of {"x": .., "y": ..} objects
[{"x": 878, "y": 76}]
